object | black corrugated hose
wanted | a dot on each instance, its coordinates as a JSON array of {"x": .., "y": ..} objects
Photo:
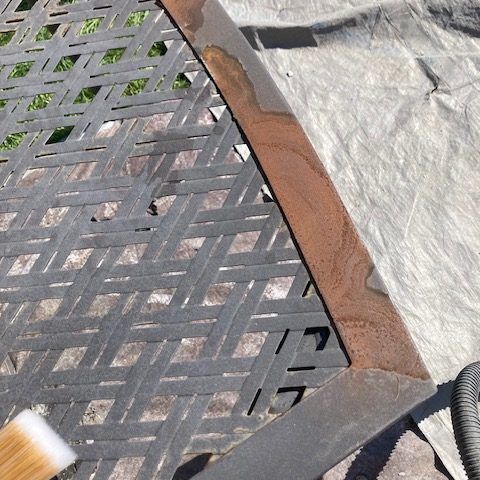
[{"x": 466, "y": 422}]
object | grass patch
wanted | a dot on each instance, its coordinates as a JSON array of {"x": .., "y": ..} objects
[
  {"x": 135, "y": 87},
  {"x": 6, "y": 37},
  {"x": 40, "y": 101},
  {"x": 181, "y": 82},
  {"x": 21, "y": 69},
  {"x": 65, "y": 64},
  {"x": 112, "y": 56},
  {"x": 135, "y": 19},
  {"x": 158, "y": 49},
  {"x": 66, "y": 2},
  {"x": 46, "y": 32},
  {"x": 90, "y": 26},
  {"x": 86, "y": 95},
  {"x": 12, "y": 141}
]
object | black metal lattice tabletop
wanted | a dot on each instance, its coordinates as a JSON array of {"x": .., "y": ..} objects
[{"x": 153, "y": 304}]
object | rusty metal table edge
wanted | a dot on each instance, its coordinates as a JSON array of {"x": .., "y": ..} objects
[{"x": 387, "y": 377}]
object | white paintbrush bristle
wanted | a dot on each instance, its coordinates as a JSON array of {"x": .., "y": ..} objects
[{"x": 46, "y": 439}]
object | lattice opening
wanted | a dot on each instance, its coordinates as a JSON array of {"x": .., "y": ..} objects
[
  {"x": 221, "y": 404},
  {"x": 188, "y": 248},
  {"x": 158, "y": 49},
  {"x": 6, "y": 37},
  {"x": 135, "y": 87},
  {"x": 277, "y": 288},
  {"x": 244, "y": 242},
  {"x": 133, "y": 166},
  {"x": 126, "y": 469},
  {"x": 206, "y": 117},
  {"x": 31, "y": 177},
  {"x": 215, "y": 199},
  {"x": 314, "y": 339},
  {"x": 70, "y": 359},
  {"x": 158, "y": 408},
  {"x": 102, "y": 304},
  {"x": 12, "y": 141},
  {"x": 132, "y": 254},
  {"x": 286, "y": 398},
  {"x": 23, "y": 264},
  {"x": 86, "y": 95},
  {"x": 218, "y": 293},
  {"x": 46, "y": 32},
  {"x": 40, "y": 101},
  {"x": 185, "y": 159},
  {"x": 59, "y": 135},
  {"x": 112, "y": 56},
  {"x": 19, "y": 359},
  {"x": 43, "y": 409},
  {"x": 21, "y": 69},
  {"x": 90, "y": 26},
  {"x": 5, "y": 220},
  {"x": 97, "y": 412},
  {"x": 181, "y": 82},
  {"x": 81, "y": 171},
  {"x": 54, "y": 216},
  {"x": 106, "y": 211},
  {"x": 66, "y": 63},
  {"x": 25, "y": 5},
  {"x": 161, "y": 206},
  {"x": 135, "y": 19},
  {"x": 158, "y": 300},
  {"x": 45, "y": 310},
  {"x": 250, "y": 344},
  {"x": 128, "y": 354},
  {"x": 77, "y": 259},
  {"x": 189, "y": 349}
]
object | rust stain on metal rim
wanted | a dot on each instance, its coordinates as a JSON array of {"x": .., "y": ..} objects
[{"x": 370, "y": 327}]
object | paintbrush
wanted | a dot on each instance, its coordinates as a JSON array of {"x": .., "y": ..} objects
[{"x": 31, "y": 450}]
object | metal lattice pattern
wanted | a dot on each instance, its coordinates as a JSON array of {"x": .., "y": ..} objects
[{"x": 154, "y": 306}]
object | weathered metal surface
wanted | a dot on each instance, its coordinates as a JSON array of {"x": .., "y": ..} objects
[
  {"x": 322, "y": 429},
  {"x": 371, "y": 328},
  {"x": 153, "y": 304}
]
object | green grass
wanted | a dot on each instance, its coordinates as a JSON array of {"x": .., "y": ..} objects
[
  {"x": 40, "y": 101},
  {"x": 135, "y": 19},
  {"x": 6, "y": 37},
  {"x": 12, "y": 141},
  {"x": 158, "y": 49},
  {"x": 66, "y": 2},
  {"x": 86, "y": 95},
  {"x": 21, "y": 69},
  {"x": 46, "y": 32},
  {"x": 181, "y": 82},
  {"x": 90, "y": 26},
  {"x": 65, "y": 64},
  {"x": 135, "y": 87},
  {"x": 112, "y": 56}
]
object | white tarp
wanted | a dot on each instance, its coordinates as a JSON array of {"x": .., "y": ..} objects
[{"x": 389, "y": 93}]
